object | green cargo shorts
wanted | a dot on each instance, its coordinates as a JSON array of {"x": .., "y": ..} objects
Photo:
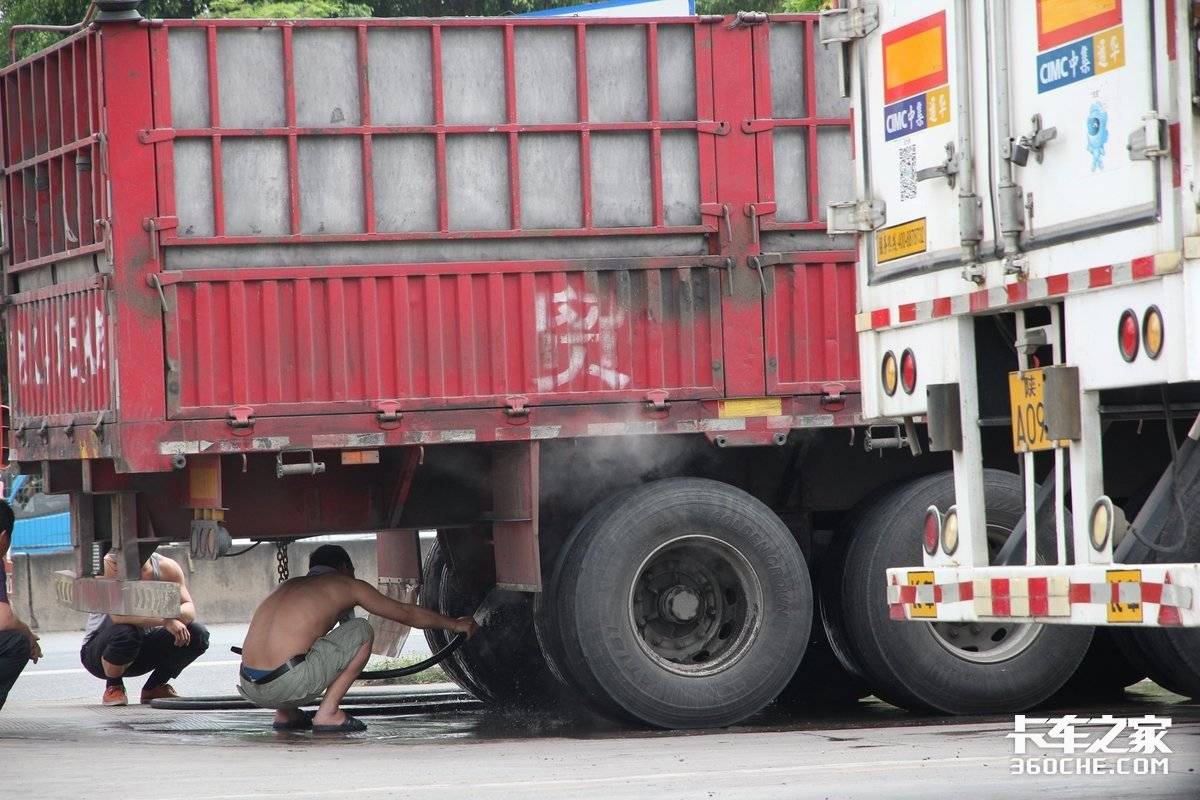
[{"x": 305, "y": 684}]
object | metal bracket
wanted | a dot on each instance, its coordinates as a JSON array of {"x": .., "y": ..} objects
[
  {"x": 754, "y": 211},
  {"x": 855, "y": 216},
  {"x": 720, "y": 210},
  {"x": 948, "y": 169},
  {"x": 756, "y": 263},
  {"x": 746, "y": 19},
  {"x": 1033, "y": 142},
  {"x": 310, "y": 467},
  {"x": 757, "y": 125},
  {"x": 153, "y": 225},
  {"x": 241, "y": 417},
  {"x": 98, "y": 427},
  {"x": 516, "y": 406},
  {"x": 155, "y": 280},
  {"x": 387, "y": 413},
  {"x": 833, "y": 396},
  {"x": 713, "y": 127},
  {"x": 1149, "y": 141},
  {"x": 656, "y": 400},
  {"x": 156, "y": 135},
  {"x": 840, "y": 25}
]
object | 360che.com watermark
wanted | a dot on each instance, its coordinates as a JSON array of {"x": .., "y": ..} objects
[{"x": 1073, "y": 745}]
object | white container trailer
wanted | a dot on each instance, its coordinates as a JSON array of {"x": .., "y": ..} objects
[{"x": 1029, "y": 259}]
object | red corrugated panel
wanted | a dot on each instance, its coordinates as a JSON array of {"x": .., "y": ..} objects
[
  {"x": 315, "y": 340},
  {"x": 51, "y": 153},
  {"x": 59, "y": 352},
  {"x": 810, "y": 327}
]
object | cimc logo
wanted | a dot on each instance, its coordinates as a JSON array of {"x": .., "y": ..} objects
[{"x": 1107, "y": 745}]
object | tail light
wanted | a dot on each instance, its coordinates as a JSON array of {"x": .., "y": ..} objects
[
  {"x": 1152, "y": 332},
  {"x": 1127, "y": 335},
  {"x": 950, "y": 531},
  {"x": 933, "y": 529},
  {"x": 1100, "y": 527},
  {"x": 3, "y": 437},
  {"x": 889, "y": 374},
  {"x": 908, "y": 371}
]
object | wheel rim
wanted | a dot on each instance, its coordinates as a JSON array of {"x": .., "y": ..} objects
[
  {"x": 695, "y": 605},
  {"x": 986, "y": 642}
]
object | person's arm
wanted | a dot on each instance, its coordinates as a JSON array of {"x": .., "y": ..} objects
[
  {"x": 172, "y": 572},
  {"x": 381, "y": 605}
]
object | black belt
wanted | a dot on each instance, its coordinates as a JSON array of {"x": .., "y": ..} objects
[{"x": 294, "y": 661}]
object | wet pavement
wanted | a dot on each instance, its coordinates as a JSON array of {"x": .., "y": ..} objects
[{"x": 434, "y": 742}]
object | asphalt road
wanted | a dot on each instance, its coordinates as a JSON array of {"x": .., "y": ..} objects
[{"x": 57, "y": 742}]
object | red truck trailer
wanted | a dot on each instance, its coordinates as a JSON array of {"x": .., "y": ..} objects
[{"x": 559, "y": 289}]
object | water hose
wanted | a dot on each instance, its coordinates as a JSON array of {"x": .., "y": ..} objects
[{"x": 232, "y": 702}]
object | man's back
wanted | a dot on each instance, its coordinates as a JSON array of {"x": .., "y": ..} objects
[{"x": 294, "y": 616}]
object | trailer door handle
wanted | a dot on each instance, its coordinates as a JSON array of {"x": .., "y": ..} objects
[{"x": 948, "y": 169}]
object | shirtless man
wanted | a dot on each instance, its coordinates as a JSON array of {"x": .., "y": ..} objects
[
  {"x": 18, "y": 644},
  {"x": 293, "y": 654}
]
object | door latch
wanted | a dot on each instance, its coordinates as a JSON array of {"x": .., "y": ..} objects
[
  {"x": 948, "y": 169},
  {"x": 1032, "y": 142},
  {"x": 855, "y": 216},
  {"x": 1149, "y": 141}
]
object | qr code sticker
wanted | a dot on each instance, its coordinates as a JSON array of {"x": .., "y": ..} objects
[{"x": 908, "y": 172}]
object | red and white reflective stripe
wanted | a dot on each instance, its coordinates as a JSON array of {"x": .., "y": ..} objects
[
  {"x": 1018, "y": 292},
  {"x": 1047, "y": 596}
]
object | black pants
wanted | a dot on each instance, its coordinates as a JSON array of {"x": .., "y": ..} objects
[
  {"x": 14, "y": 655},
  {"x": 144, "y": 651}
]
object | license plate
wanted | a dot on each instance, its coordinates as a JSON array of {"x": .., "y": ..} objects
[
  {"x": 753, "y": 407},
  {"x": 1027, "y": 396}
]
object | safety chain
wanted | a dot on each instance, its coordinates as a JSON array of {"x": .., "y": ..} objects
[{"x": 281, "y": 556}]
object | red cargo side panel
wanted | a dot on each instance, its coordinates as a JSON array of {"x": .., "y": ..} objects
[
  {"x": 59, "y": 353},
  {"x": 339, "y": 339},
  {"x": 810, "y": 325}
]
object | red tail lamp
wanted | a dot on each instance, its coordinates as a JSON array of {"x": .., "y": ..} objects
[
  {"x": 933, "y": 529},
  {"x": 908, "y": 371},
  {"x": 1128, "y": 335}
]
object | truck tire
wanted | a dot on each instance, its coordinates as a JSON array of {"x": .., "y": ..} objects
[
  {"x": 1172, "y": 655},
  {"x": 503, "y": 664},
  {"x": 434, "y": 575},
  {"x": 821, "y": 680},
  {"x": 1106, "y": 670},
  {"x": 686, "y": 604},
  {"x": 545, "y": 609},
  {"x": 943, "y": 667}
]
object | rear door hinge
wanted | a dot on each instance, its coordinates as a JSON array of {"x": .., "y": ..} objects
[
  {"x": 656, "y": 400},
  {"x": 387, "y": 413},
  {"x": 1149, "y": 141},
  {"x": 833, "y": 396},
  {"x": 855, "y": 216},
  {"x": 516, "y": 406},
  {"x": 241, "y": 417},
  {"x": 839, "y": 25}
]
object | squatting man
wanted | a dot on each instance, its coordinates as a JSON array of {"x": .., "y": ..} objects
[{"x": 294, "y": 656}]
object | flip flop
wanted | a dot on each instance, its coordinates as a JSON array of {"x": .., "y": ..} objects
[
  {"x": 351, "y": 725},
  {"x": 295, "y": 725}
]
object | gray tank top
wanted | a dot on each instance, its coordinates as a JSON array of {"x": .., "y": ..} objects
[{"x": 98, "y": 621}]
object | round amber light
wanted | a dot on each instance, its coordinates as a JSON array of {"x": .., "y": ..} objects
[
  {"x": 1152, "y": 332},
  {"x": 889, "y": 374}
]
